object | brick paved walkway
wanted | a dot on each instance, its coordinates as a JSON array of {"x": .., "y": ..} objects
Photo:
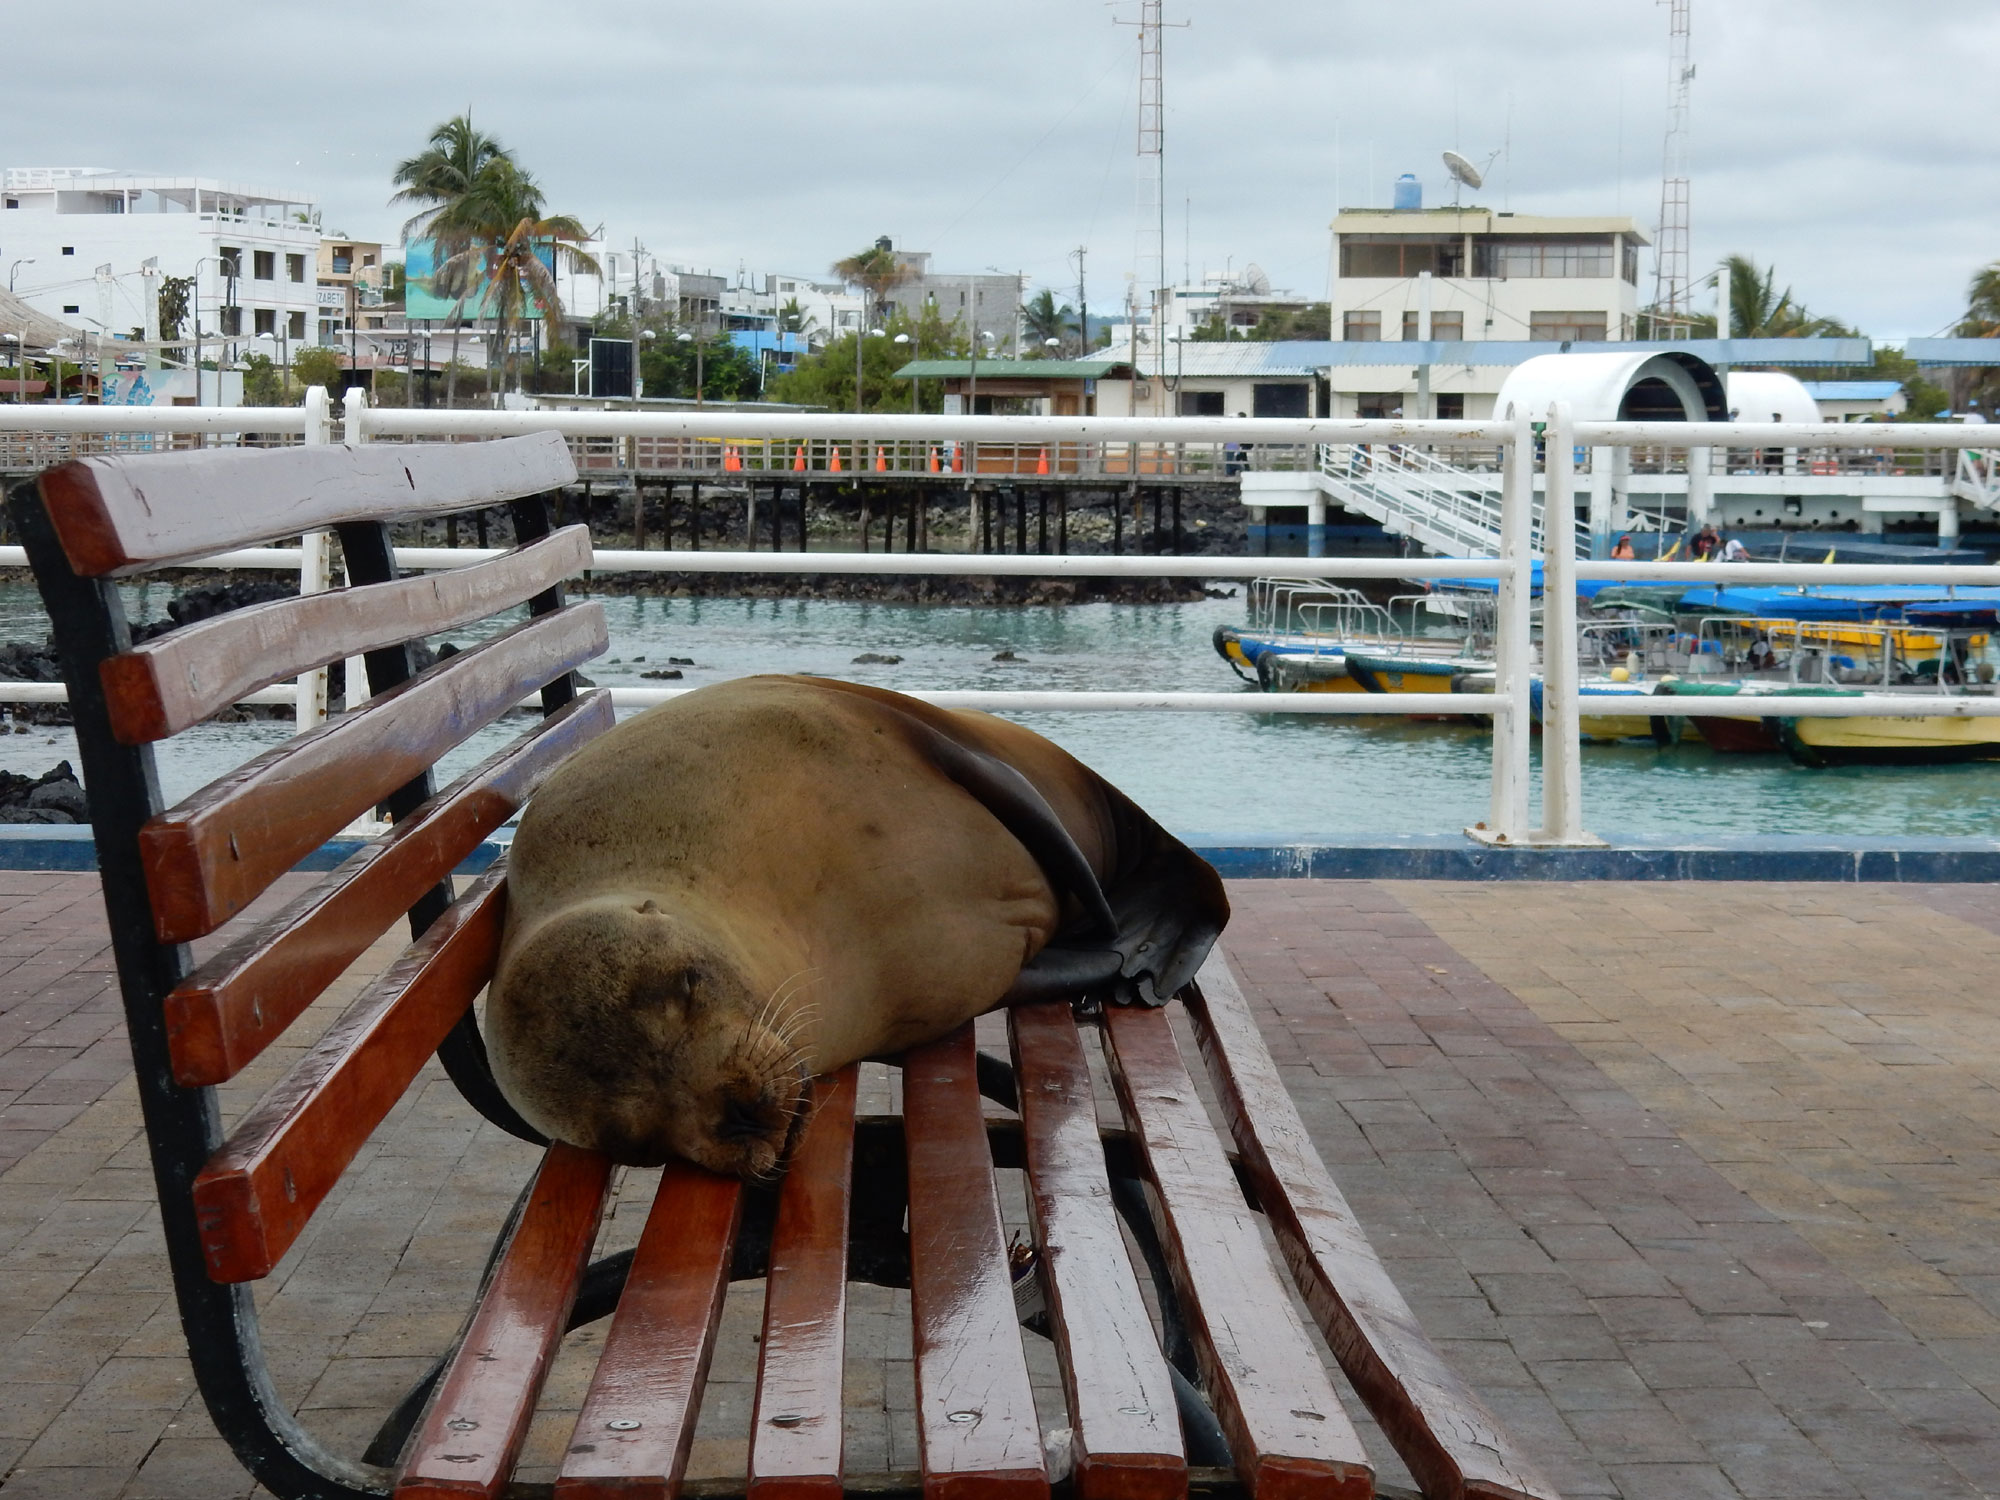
[{"x": 1699, "y": 1184}]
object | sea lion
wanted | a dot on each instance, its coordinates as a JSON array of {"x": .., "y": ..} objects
[{"x": 772, "y": 877}]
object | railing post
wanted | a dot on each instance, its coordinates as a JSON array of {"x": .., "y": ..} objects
[
  {"x": 315, "y": 567},
  {"x": 1507, "y": 815},
  {"x": 1562, "y": 776},
  {"x": 354, "y": 432}
]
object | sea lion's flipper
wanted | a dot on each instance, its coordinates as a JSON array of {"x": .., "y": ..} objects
[
  {"x": 1167, "y": 901},
  {"x": 1061, "y": 973},
  {"x": 1025, "y": 813}
]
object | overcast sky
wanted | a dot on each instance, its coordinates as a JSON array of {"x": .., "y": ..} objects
[{"x": 1850, "y": 142}]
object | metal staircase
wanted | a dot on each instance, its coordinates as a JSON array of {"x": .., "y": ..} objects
[
  {"x": 1450, "y": 511},
  {"x": 1977, "y": 478}
]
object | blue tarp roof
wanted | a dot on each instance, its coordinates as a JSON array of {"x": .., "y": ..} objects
[
  {"x": 1855, "y": 602},
  {"x": 1964, "y": 614}
]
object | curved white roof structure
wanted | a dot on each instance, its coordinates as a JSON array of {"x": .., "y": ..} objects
[
  {"x": 1770, "y": 396},
  {"x": 1615, "y": 385}
]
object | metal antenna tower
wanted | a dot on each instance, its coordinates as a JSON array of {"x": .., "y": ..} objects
[
  {"x": 1149, "y": 257},
  {"x": 1671, "y": 307}
]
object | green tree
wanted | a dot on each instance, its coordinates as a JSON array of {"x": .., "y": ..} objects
[
  {"x": 263, "y": 383},
  {"x": 1980, "y": 384},
  {"x": 795, "y": 319},
  {"x": 318, "y": 366},
  {"x": 506, "y": 232},
  {"x": 826, "y": 377},
  {"x": 1042, "y": 320}
]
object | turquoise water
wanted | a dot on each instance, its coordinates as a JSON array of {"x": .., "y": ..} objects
[{"x": 1209, "y": 773}]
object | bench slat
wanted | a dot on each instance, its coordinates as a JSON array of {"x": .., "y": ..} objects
[
  {"x": 166, "y": 684},
  {"x": 638, "y": 1420},
  {"x": 472, "y": 1434},
  {"x": 977, "y": 1432},
  {"x": 118, "y": 515},
  {"x": 1121, "y": 1399},
  {"x": 1453, "y": 1444},
  {"x": 256, "y": 1193},
  {"x": 795, "y": 1430},
  {"x": 237, "y": 1003},
  {"x": 211, "y": 855},
  {"x": 1285, "y": 1425}
]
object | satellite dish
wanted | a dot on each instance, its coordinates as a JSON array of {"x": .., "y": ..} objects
[{"x": 1464, "y": 170}]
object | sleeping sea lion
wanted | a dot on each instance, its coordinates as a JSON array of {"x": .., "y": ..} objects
[{"x": 770, "y": 878}]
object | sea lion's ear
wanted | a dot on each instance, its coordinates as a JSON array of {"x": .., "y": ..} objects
[{"x": 651, "y": 908}]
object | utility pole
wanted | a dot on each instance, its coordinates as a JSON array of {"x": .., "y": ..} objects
[
  {"x": 637, "y": 339},
  {"x": 1082, "y": 307},
  {"x": 1671, "y": 307}
]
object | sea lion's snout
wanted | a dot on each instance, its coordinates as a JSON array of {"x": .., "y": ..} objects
[{"x": 620, "y": 1028}]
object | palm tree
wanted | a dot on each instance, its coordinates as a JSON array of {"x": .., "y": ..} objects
[
  {"x": 1042, "y": 320},
  {"x": 504, "y": 232},
  {"x": 439, "y": 178},
  {"x": 876, "y": 270},
  {"x": 1758, "y": 310}
]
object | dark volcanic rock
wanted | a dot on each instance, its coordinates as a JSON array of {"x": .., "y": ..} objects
[
  {"x": 875, "y": 659},
  {"x": 663, "y": 674},
  {"x": 54, "y": 797}
]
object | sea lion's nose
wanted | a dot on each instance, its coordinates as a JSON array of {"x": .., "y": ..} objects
[{"x": 742, "y": 1120}]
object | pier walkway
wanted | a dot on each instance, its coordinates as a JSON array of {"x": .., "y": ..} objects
[{"x": 1698, "y": 1183}]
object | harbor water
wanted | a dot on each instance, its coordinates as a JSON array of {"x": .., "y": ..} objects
[{"x": 1267, "y": 774}]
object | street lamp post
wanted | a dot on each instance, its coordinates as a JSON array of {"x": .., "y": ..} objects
[
  {"x": 699, "y": 349},
  {"x": 915, "y": 380},
  {"x": 21, "y": 360}
]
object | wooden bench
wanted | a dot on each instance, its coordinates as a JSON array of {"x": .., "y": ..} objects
[{"x": 1187, "y": 1364}]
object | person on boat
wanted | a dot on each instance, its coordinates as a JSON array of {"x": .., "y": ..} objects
[
  {"x": 1705, "y": 542},
  {"x": 1733, "y": 550},
  {"x": 1762, "y": 657},
  {"x": 1623, "y": 551}
]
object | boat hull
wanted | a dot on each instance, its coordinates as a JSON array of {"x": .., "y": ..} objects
[{"x": 1915, "y": 740}]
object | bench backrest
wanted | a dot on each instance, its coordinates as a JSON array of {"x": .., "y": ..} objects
[{"x": 232, "y": 1204}]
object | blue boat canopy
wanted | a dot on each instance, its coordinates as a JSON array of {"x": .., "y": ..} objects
[
  {"x": 1955, "y": 614},
  {"x": 1855, "y": 602}
]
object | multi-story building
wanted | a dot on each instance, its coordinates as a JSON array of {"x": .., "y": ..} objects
[
  {"x": 983, "y": 303},
  {"x": 350, "y": 275},
  {"x": 90, "y": 232},
  {"x": 1467, "y": 275}
]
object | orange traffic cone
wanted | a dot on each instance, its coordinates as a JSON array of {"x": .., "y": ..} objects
[
  {"x": 732, "y": 461},
  {"x": 799, "y": 460},
  {"x": 1042, "y": 463},
  {"x": 957, "y": 464},
  {"x": 833, "y": 459},
  {"x": 881, "y": 463},
  {"x": 935, "y": 467}
]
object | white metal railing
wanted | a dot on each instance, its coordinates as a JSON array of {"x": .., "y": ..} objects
[{"x": 1511, "y": 819}]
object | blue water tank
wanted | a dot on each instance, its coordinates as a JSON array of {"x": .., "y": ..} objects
[{"x": 1409, "y": 191}]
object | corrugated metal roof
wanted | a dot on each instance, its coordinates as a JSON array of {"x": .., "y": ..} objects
[
  {"x": 41, "y": 330},
  {"x": 1237, "y": 358},
  {"x": 1008, "y": 369},
  {"x": 1852, "y": 390}
]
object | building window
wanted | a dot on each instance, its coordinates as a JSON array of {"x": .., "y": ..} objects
[
  {"x": 264, "y": 265},
  {"x": 1631, "y": 259},
  {"x": 1450, "y": 406},
  {"x": 295, "y": 325},
  {"x": 343, "y": 259},
  {"x": 1508, "y": 258},
  {"x": 232, "y": 321},
  {"x": 1400, "y": 255},
  {"x": 1202, "y": 404},
  {"x": 69, "y": 249},
  {"x": 295, "y": 268},
  {"x": 1412, "y": 328},
  {"x": 232, "y": 262},
  {"x": 72, "y": 308},
  {"x": 1361, "y": 327},
  {"x": 267, "y": 319},
  {"x": 13, "y": 202},
  {"x": 1448, "y": 325},
  {"x": 1567, "y": 327}
]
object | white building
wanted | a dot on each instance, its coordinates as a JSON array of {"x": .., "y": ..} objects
[
  {"x": 1452, "y": 275},
  {"x": 75, "y": 240}
]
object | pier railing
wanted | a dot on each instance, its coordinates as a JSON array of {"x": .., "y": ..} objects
[{"x": 1545, "y": 452}]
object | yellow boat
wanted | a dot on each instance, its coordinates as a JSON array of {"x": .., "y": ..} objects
[{"x": 1879, "y": 740}]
